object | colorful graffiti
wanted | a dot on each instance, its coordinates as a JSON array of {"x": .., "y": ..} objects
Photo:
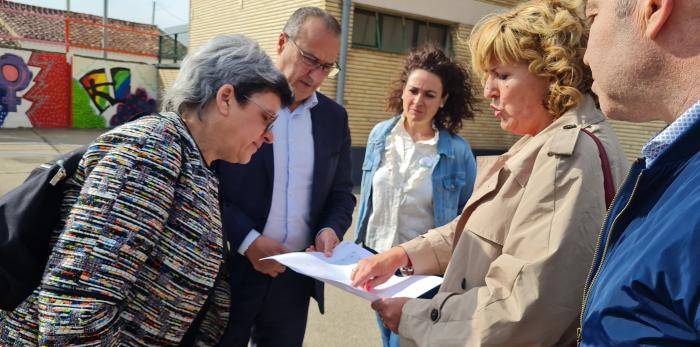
[
  {"x": 105, "y": 92},
  {"x": 134, "y": 104},
  {"x": 41, "y": 89},
  {"x": 50, "y": 95},
  {"x": 108, "y": 93},
  {"x": 14, "y": 78}
]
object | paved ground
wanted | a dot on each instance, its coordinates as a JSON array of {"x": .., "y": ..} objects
[{"x": 348, "y": 321}]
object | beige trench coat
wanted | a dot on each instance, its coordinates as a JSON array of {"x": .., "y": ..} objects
[{"x": 516, "y": 260}]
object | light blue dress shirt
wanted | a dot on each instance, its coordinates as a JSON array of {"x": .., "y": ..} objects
[
  {"x": 293, "y": 151},
  {"x": 666, "y": 137}
]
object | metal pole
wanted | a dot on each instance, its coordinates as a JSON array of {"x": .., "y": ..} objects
[
  {"x": 104, "y": 30},
  {"x": 67, "y": 31},
  {"x": 153, "y": 13},
  {"x": 340, "y": 88},
  {"x": 175, "y": 49}
]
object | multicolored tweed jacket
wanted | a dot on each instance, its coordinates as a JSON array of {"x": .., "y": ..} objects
[{"x": 138, "y": 249}]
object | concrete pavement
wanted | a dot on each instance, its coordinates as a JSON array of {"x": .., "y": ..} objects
[
  {"x": 348, "y": 321},
  {"x": 21, "y": 150}
]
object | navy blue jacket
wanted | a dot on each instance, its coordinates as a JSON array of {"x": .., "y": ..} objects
[
  {"x": 246, "y": 190},
  {"x": 645, "y": 280}
]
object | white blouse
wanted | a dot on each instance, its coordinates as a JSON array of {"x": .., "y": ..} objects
[{"x": 402, "y": 190}]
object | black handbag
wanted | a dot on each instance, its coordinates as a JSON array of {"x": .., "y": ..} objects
[{"x": 28, "y": 215}]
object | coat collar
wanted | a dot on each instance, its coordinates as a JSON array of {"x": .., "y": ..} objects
[
  {"x": 521, "y": 157},
  {"x": 560, "y": 138},
  {"x": 681, "y": 149}
]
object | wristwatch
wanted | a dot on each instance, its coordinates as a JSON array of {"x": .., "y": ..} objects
[{"x": 406, "y": 271}]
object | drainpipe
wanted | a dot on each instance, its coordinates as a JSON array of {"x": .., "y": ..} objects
[
  {"x": 104, "y": 30},
  {"x": 340, "y": 88}
]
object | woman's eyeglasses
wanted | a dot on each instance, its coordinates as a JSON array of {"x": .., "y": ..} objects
[{"x": 269, "y": 116}]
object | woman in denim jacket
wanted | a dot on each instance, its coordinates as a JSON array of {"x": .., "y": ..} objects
[{"x": 417, "y": 173}]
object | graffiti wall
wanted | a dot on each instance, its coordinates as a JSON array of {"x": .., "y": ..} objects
[
  {"x": 107, "y": 93},
  {"x": 40, "y": 89},
  {"x": 34, "y": 89}
]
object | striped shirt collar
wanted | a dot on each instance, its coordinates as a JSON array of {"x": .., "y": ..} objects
[{"x": 657, "y": 145}]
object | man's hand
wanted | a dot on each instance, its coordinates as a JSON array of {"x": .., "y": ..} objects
[
  {"x": 326, "y": 240},
  {"x": 264, "y": 247},
  {"x": 377, "y": 269},
  {"x": 390, "y": 311}
]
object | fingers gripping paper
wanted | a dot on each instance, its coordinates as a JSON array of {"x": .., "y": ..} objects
[{"x": 336, "y": 270}]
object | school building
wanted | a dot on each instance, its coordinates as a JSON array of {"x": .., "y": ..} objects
[{"x": 380, "y": 32}]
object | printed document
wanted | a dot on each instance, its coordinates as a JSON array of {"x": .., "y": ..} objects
[{"x": 335, "y": 270}]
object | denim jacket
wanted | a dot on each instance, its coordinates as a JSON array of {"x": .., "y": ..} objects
[{"x": 452, "y": 178}]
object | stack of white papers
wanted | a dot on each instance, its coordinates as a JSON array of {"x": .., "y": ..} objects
[{"x": 335, "y": 270}]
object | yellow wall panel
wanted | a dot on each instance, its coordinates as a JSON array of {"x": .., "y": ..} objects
[
  {"x": 166, "y": 77},
  {"x": 261, "y": 20},
  {"x": 634, "y": 135}
]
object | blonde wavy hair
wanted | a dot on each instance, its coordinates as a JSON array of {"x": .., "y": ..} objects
[{"x": 548, "y": 35}]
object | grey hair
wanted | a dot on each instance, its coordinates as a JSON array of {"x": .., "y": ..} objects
[
  {"x": 299, "y": 17},
  {"x": 225, "y": 59},
  {"x": 623, "y": 8}
]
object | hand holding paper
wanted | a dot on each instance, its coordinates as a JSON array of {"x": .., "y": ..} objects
[
  {"x": 377, "y": 269},
  {"x": 336, "y": 270}
]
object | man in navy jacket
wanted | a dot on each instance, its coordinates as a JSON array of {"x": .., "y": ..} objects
[
  {"x": 644, "y": 287},
  {"x": 295, "y": 194}
]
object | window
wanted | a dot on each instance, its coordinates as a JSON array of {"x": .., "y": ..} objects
[
  {"x": 395, "y": 33},
  {"x": 391, "y": 36},
  {"x": 428, "y": 34},
  {"x": 364, "y": 30}
]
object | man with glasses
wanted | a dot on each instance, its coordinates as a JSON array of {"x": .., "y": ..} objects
[{"x": 294, "y": 194}]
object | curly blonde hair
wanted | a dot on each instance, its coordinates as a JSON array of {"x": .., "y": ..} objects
[{"x": 548, "y": 35}]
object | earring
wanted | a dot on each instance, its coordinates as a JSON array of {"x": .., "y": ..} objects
[{"x": 442, "y": 105}]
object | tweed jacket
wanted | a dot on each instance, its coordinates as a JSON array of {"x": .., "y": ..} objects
[
  {"x": 516, "y": 260},
  {"x": 137, "y": 250}
]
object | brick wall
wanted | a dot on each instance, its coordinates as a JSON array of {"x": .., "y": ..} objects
[{"x": 25, "y": 25}]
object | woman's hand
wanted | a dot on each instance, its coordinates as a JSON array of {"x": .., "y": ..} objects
[
  {"x": 377, "y": 269},
  {"x": 389, "y": 311}
]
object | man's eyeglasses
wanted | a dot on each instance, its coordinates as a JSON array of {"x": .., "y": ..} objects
[
  {"x": 269, "y": 116},
  {"x": 331, "y": 69}
]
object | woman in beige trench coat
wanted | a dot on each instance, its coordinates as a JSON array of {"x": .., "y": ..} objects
[{"x": 515, "y": 261}]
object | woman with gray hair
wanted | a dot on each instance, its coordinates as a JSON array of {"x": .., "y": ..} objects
[{"x": 137, "y": 256}]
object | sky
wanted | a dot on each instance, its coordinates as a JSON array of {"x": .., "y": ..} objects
[{"x": 168, "y": 13}]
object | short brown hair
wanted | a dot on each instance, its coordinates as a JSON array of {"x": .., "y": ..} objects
[{"x": 455, "y": 83}]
